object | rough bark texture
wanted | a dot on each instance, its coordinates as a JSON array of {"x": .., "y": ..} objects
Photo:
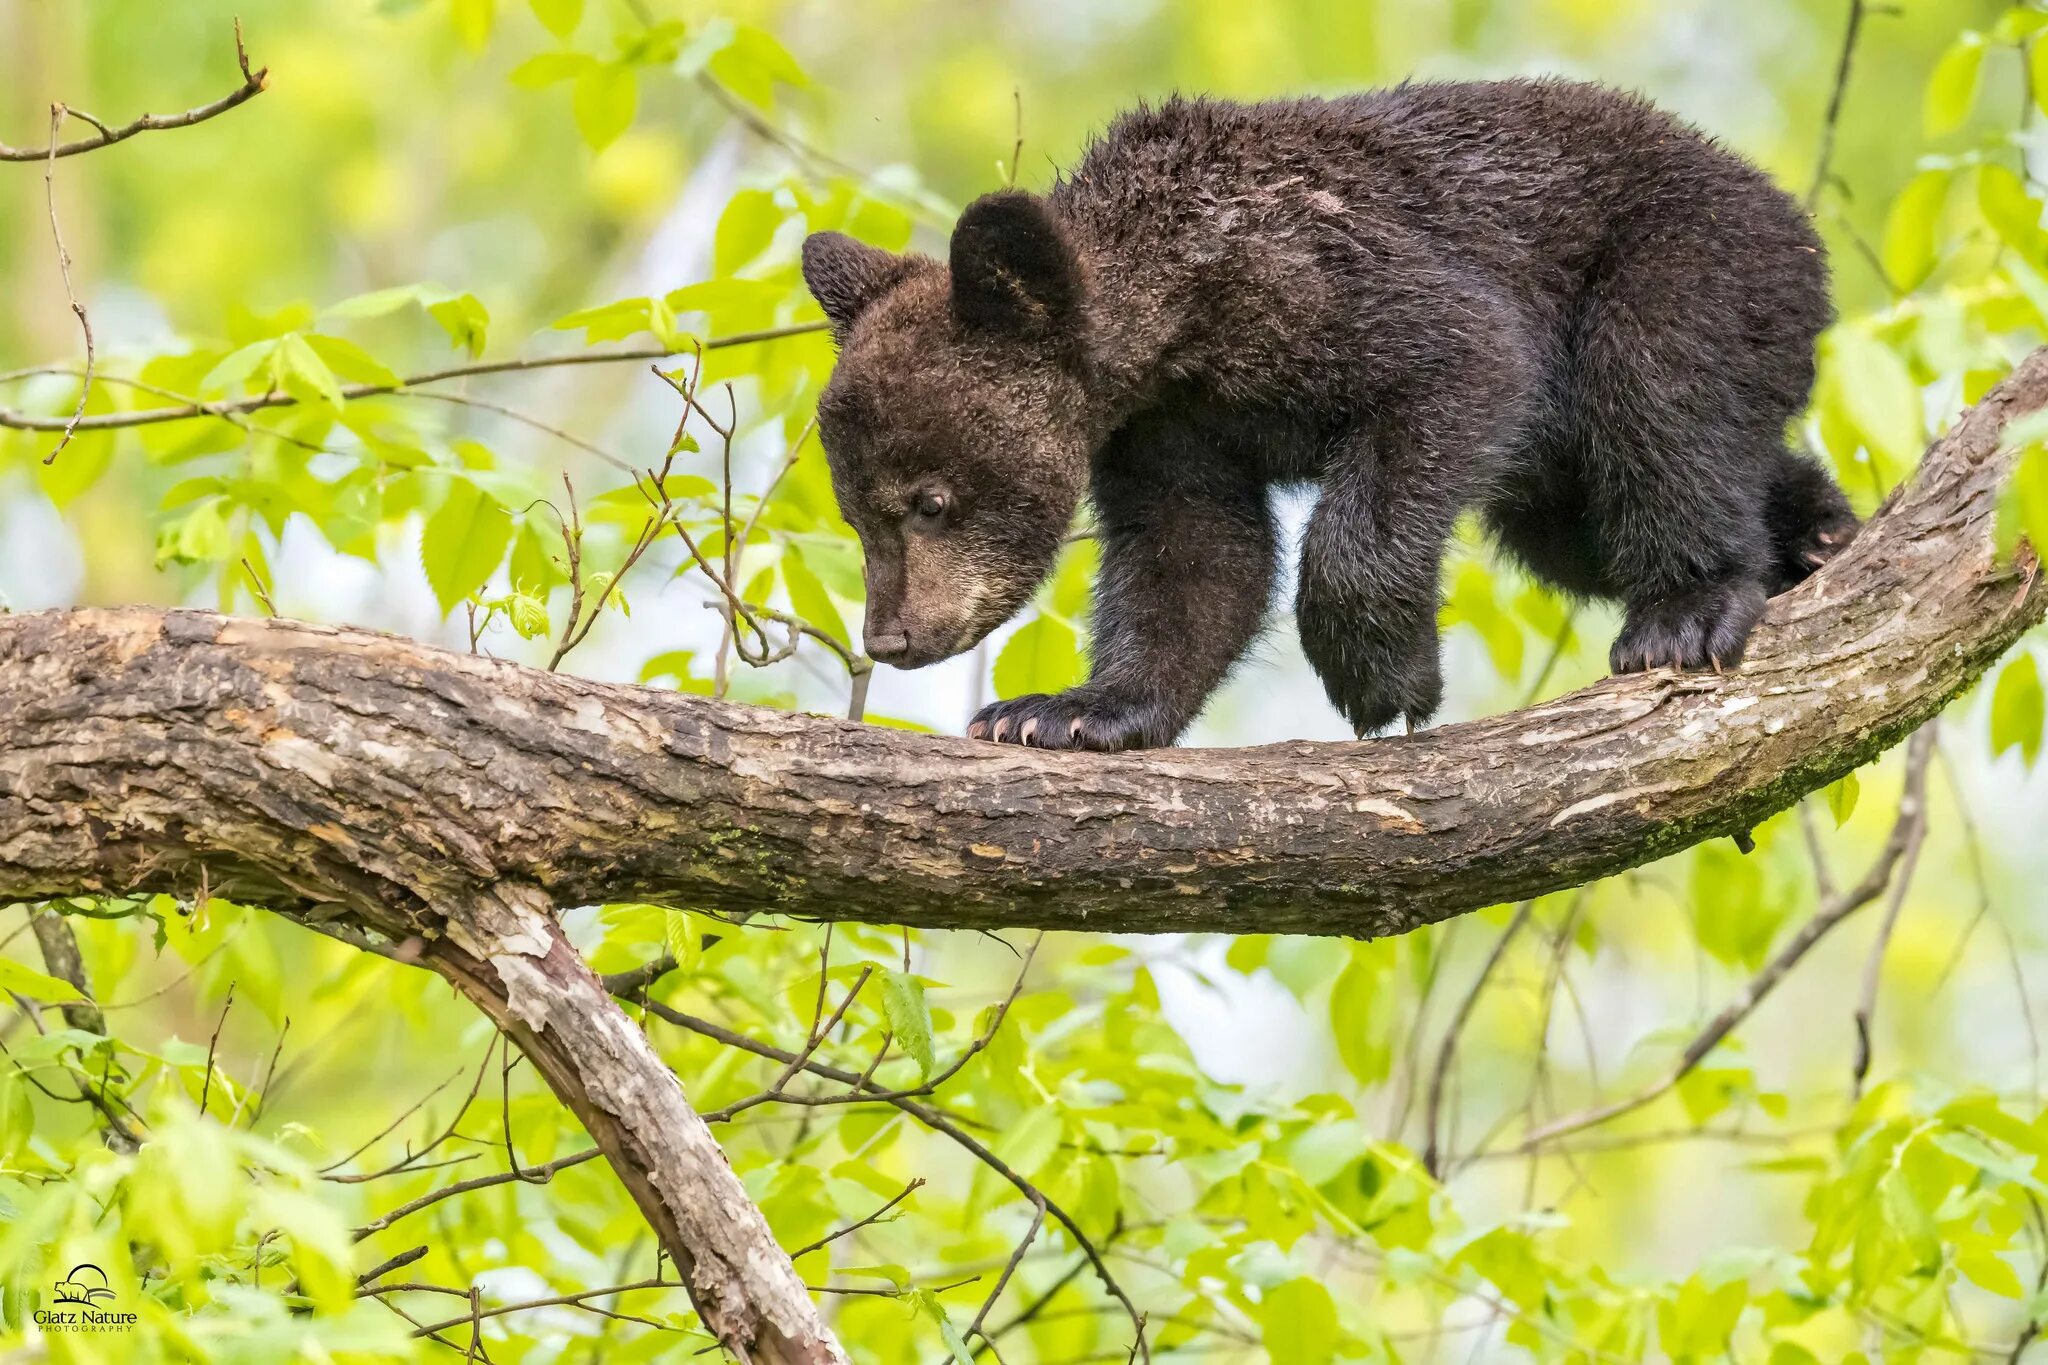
[
  {"x": 369, "y": 784},
  {"x": 504, "y": 951}
]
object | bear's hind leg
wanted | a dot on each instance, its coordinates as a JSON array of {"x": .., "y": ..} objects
[{"x": 1676, "y": 453}]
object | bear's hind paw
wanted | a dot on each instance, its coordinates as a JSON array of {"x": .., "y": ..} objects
[{"x": 1706, "y": 627}]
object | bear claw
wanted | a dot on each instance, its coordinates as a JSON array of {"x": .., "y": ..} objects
[
  {"x": 1079, "y": 719},
  {"x": 1706, "y": 627}
]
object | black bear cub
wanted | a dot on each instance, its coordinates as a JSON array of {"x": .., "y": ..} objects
[{"x": 1545, "y": 300}]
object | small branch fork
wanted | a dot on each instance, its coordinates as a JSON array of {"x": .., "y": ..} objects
[
  {"x": 742, "y": 617},
  {"x": 863, "y": 1089},
  {"x": 1908, "y": 830},
  {"x": 70, "y": 292},
  {"x": 253, "y": 84}
]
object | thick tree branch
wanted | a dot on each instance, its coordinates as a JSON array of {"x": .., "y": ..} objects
[
  {"x": 329, "y": 772},
  {"x": 506, "y": 954}
]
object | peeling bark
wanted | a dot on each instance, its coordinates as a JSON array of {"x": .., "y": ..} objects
[
  {"x": 506, "y": 954},
  {"x": 337, "y": 775}
]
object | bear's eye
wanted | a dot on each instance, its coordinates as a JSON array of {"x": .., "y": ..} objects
[{"x": 928, "y": 506}]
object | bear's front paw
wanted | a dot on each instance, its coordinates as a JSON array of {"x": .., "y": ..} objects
[
  {"x": 1707, "y": 627},
  {"x": 1372, "y": 679},
  {"x": 1079, "y": 719},
  {"x": 1410, "y": 691}
]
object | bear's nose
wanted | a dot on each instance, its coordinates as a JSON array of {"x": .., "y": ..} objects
[{"x": 887, "y": 645}]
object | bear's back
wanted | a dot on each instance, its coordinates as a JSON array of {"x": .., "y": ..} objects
[{"x": 1549, "y": 166}]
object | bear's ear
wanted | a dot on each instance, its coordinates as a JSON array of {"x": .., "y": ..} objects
[
  {"x": 1013, "y": 269},
  {"x": 845, "y": 276}
]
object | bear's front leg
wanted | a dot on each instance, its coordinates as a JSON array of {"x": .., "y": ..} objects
[
  {"x": 1366, "y": 604},
  {"x": 1187, "y": 571}
]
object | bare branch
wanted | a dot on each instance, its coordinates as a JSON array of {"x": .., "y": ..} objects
[
  {"x": 877, "y": 1216},
  {"x": 1906, "y": 834},
  {"x": 70, "y": 292},
  {"x": 253, "y": 84},
  {"x": 1432, "y": 1129},
  {"x": 227, "y": 407},
  {"x": 1831, "y": 122}
]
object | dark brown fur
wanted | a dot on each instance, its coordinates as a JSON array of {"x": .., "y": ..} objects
[{"x": 1546, "y": 300}]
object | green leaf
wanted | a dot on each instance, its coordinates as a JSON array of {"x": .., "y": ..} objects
[
  {"x": 528, "y": 615},
  {"x": 710, "y": 40},
  {"x": 1026, "y": 1145},
  {"x": 302, "y": 373},
  {"x": 607, "y": 96},
  {"x": 464, "y": 541},
  {"x": 1986, "y": 1270},
  {"x": 1298, "y": 1322},
  {"x": 551, "y": 68},
  {"x": 351, "y": 362},
  {"x": 464, "y": 318},
  {"x": 17, "y": 1116},
  {"x": 558, "y": 17},
  {"x": 910, "y": 1018},
  {"x": 750, "y": 65},
  {"x": 1842, "y": 798},
  {"x": 1708, "y": 1090},
  {"x": 236, "y": 367},
  {"x": 33, "y": 984},
  {"x": 2023, "y": 507},
  {"x": 745, "y": 228},
  {"x": 1874, "y": 391},
  {"x": 2011, "y": 210},
  {"x": 2016, "y": 710},
  {"x": 1043, "y": 656},
  {"x": 609, "y": 321},
  {"x": 2037, "y": 75},
  {"x": 473, "y": 21},
  {"x": 1355, "y": 1023},
  {"x": 683, "y": 939},
  {"x": 1952, "y": 89},
  {"x": 808, "y": 595},
  {"x": 377, "y": 303},
  {"x": 936, "y": 1311},
  {"x": 1910, "y": 249}
]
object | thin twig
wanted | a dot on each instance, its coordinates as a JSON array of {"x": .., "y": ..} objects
[
  {"x": 1830, "y": 124},
  {"x": 213, "y": 1045},
  {"x": 222, "y": 407},
  {"x": 531, "y": 1174},
  {"x": 70, "y": 293},
  {"x": 478, "y": 1313},
  {"x": 253, "y": 84},
  {"x": 938, "y": 1123},
  {"x": 382, "y": 1268},
  {"x": 1873, "y": 968},
  {"x": 1912, "y": 813},
  {"x": 65, "y": 962},
  {"x": 1448, "y": 1050},
  {"x": 1003, "y": 1280},
  {"x": 852, "y": 1228}
]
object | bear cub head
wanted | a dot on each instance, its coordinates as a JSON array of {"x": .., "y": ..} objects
[{"x": 957, "y": 420}]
